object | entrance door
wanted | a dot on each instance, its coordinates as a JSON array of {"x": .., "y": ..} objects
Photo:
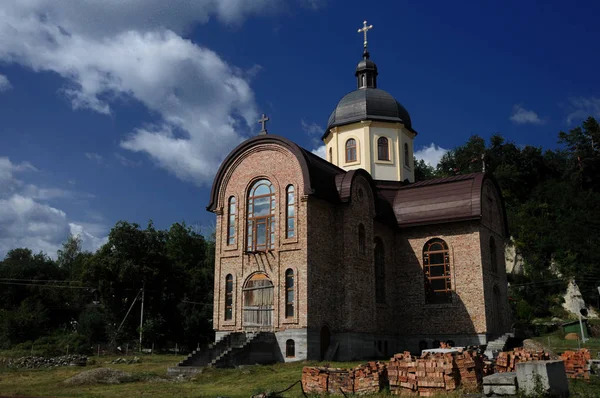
[{"x": 258, "y": 301}]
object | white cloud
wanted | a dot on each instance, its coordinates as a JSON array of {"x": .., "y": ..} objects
[
  {"x": 320, "y": 151},
  {"x": 431, "y": 154},
  {"x": 94, "y": 156},
  {"x": 127, "y": 162},
  {"x": 580, "y": 108},
  {"x": 135, "y": 49},
  {"x": 4, "y": 83},
  {"x": 25, "y": 221},
  {"x": 311, "y": 128},
  {"x": 521, "y": 115}
]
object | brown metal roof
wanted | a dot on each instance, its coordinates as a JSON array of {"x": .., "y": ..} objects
[
  {"x": 439, "y": 200},
  {"x": 397, "y": 204}
]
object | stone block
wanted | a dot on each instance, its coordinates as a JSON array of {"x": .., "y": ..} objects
[
  {"x": 506, "y": 378},
  {"x": 549, "y": 376},
  {"x": 499, "y": 390}
]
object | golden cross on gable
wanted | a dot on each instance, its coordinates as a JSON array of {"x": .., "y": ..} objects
[{"x": 365, "y": 29}]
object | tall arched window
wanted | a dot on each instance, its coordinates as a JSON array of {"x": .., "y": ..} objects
[
  {"x": 379, "y": 271},
  {"x": 231, "y": 225},
  {"x": 261, "y": 217},
  {"x": 289, "y": 293},
  {"x": 383, "y": 150},
  {"x": 362, "y": 244},
  {"x": 290, "y": 230},
  {"x": 406, "y": 158},
  {"x": 493, "y": 254},
  {"x": 331, "y": 155},
  {"x": 228, "y": 297},
  {"x": 436, "y": 266},
  {"x": 351, "y": 150}
]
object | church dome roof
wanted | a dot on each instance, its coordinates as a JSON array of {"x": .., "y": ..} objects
[{"x": 368, "y": 104}]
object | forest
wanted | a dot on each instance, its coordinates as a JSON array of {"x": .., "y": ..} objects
[{"x": 81, "y": 299}]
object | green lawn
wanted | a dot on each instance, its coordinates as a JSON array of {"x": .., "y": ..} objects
[
  {"x": 558, "y": 344},
  {"x": 151, "y": 373}
]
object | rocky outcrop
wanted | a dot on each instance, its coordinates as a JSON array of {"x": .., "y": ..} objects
[
  {"x": 574, "y": 301},
  {"x": 514, "y": 260}
]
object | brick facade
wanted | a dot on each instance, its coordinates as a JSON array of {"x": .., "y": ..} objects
[{"x": 335, "y": 280}]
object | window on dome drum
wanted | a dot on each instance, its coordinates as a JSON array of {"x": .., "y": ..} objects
[
  {"x": 261, "y": 217},
  {"x": 290, "y": 349},
  {"x": 289, "y": 293},
  {"x": 383, "y": 151},
  {"x": 493, "y": 255},
  {"x": 231, "y": 221},
  {"x": 379, "y": 272},
  {"x": 436, "y": 266},
  {"x": 290, "y": 230},
  {"x": 228, "y": 297},
  {"x": 406, "y": 158},
  {"x": 361, "y": 240},
  {"x": 351, "y": 150},
  {"x": 331, "y": 155}
]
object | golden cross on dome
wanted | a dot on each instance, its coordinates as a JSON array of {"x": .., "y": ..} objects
[{"x": 365, "y": 29}]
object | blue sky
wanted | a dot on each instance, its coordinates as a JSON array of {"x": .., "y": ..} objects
[{"x": 123, "y": 110}]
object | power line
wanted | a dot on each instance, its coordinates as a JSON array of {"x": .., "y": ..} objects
[{"x": 45, "y": 285}]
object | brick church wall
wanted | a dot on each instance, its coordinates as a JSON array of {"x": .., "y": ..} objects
[
  {"x": 281, "y": 168},
  {"x": 492, "y": 225},
  {"x": 466, "y": 314}
]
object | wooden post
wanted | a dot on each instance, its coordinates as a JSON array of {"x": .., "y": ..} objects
[{"x": 98, "y": 350}]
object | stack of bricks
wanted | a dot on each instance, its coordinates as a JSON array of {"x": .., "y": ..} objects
[
  {"x": 340, "y": 381},
  {"x": 470, "y": 366},
  {"x": 370, "y": 378},
  {"x": 576, "y": 363},
  {"x": 314, "y": 380},
  {"x": 434, "y": 374},
  {"x": 402, "y": 374},
  {"x": 507, "y": 361}
]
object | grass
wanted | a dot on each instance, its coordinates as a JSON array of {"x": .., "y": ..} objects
[
  {"x": 556, "y": 342},
  {"x": 151, "y": 381}
]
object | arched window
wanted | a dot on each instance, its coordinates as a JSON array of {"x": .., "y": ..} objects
[
  {"x": 361, "y": 239},
  {"x": 228, "y": 297},
  {"x": 383, "y": 150},
  {"x": 406, "y": 158},
  {"x": 289, "y": 293},
  {"x": 331, "y": 155},
  {"x": 231, "y": 225},
  {"x": 493, "y": 255},
  {"x": 290, "y": 230},
  {"x": 379, "y": 271},
  {"x": 436, "y": 266},
  {"x": 290, "y": 349},
  {"x": 261, "y": 217},
  {"x": 351, "y": 150}
]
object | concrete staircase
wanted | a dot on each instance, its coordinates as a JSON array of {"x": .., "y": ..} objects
[
  {"x": 497, "y": 345},
  {"x": 222, "y": 353}
]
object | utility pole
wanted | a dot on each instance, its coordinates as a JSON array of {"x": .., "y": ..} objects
[{"x": 142, "y": 317}]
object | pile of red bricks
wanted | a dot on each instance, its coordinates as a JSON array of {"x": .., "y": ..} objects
[
  {"x": 576, "y": 363},
  {"x": 369, "y": 378},
  {"x": 507, "y": 360},
  {"x": 434, "y": 373},
  {"x": 470, "y": 366}
]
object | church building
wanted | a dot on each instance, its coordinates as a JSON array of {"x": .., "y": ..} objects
[{"x": 348, "y": 257}]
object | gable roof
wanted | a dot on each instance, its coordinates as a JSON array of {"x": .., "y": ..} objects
[{"x": 397, "y": 204}]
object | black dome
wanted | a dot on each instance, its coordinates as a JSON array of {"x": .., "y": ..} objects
[{"x": 368, "y": 104}]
